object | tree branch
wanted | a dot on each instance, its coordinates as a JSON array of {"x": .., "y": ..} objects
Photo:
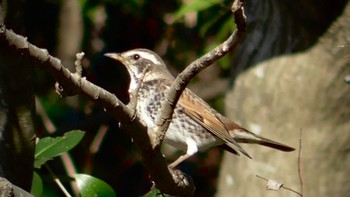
[
  {"x": 9, "y": 189},
  {"x": 173, "y": 182},
  {"x": 174, "y": 92}
]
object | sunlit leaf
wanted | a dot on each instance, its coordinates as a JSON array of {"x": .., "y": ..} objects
[
  {"x": 91, "y": 186},
  {"x": 49, "y": 147}
]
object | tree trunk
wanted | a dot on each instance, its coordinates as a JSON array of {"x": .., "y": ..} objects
[
  {"x": 303, "y": 90},
  {"x": 17, "y": 132}
]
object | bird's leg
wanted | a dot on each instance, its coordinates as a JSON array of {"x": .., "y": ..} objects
[
  {"x": 179, "y": 160},
  {"x": 191, "y": 150}
]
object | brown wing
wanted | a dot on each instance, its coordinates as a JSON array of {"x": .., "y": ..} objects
[{"x": 204, "y": 115}]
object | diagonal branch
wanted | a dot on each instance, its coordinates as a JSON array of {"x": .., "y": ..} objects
[
  {"x": 174, "y": 92},
  {"x": 174, "y": 183},
  {"x": 171, "y": 182},
  {"x": 70, "y": 82}
]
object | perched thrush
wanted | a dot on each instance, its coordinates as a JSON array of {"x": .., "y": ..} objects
[{"x": 195, "y": 126}]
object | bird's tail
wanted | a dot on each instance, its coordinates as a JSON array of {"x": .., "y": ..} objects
[{"x": 244, "y": 136}]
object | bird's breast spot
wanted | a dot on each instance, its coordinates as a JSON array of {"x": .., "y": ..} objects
[
  {"x": 144, "y": 115},
  {"x": 149, "y": 121}
]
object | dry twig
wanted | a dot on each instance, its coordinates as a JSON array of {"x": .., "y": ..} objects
[
  {"x": 299, "y": 164},
  {"x": 273, "y": 185}
]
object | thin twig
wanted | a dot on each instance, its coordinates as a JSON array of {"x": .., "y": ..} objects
[
  {"x": 262, "y": 177},
  {"x": 279, "y": 185},
  {"x": 69, "y": 166},
  {"x": 299, "y": 164},
  {"x": 299, "y": 172},
  {"x": 289, "y": 189},
  {"x": 57, "y": 181},
  {"x": 47, "y": 123},
  {"x": 78, "y": 66},
  {"x": 97, "y": 141}
]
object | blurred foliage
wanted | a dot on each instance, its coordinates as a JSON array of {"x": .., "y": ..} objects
[
  {"x": 194, "y": 6},
  {"x": 179, "y": 32},
  {"x": 215, "y": 21}
]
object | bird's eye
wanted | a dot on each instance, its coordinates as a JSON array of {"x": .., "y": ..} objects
[{"x": 136, "y": 57}]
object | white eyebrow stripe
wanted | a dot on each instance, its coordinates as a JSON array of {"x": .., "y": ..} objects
[{"x": 144, "y": 55}]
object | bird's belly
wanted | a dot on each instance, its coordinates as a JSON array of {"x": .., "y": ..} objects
[{"x": 184, "y": 129}]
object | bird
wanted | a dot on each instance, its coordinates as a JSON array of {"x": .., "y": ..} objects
[{"x": 195, "y": 126}]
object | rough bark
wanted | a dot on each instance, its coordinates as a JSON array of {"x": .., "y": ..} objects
[
  {"x": 16, "y": 107},
  {"x": 281, "y": 95}
]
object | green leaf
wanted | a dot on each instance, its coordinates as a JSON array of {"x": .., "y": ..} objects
[
  {"x": 195, "y": 6},
  {"x": 48, "y": 147},
  {"x": 91, "y": 186},
  {"x": 154, "y": 193},
  {"x": 37, "y": 186}
]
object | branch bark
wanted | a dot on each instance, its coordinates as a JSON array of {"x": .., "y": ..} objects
[{"x": 8, "y": 189}]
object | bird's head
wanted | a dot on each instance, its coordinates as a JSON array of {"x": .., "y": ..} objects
[{"x": 142, "y": 63}]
